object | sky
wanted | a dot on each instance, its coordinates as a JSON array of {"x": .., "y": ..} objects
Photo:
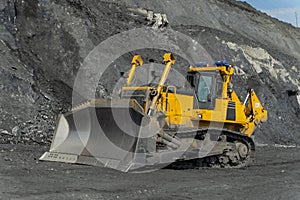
[{"x": 283, "y": 10}]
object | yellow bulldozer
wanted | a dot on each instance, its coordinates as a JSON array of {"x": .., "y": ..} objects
[{"x": 158, "y": 125}]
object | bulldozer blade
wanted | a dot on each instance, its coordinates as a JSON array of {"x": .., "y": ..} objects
[{"x": 103, "y": 133}]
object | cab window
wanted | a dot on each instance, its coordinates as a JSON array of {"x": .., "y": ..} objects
[{"x": 205, "y": 89}]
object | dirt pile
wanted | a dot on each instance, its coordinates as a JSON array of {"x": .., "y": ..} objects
[{"x": 44, "y": 42}]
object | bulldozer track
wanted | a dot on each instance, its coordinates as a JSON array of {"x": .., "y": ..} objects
[{"x": 214, "y": 161}]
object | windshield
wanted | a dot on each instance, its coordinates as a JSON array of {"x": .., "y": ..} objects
[{"x": 204, "y": 88}]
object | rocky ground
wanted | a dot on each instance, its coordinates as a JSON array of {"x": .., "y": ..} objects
[{"x": 274, "y": 175}]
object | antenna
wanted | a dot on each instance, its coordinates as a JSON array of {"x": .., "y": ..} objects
[{"x": 296, "y": 20}]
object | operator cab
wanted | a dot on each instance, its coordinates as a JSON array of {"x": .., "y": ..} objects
[{"x": 207, "y": 87}]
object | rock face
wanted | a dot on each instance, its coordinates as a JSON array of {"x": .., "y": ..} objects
[{"x": 43, "y": 43}]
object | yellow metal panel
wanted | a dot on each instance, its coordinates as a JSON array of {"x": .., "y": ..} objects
[{"x": 178, "y": 108}]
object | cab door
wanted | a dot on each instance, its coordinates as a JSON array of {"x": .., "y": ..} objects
[{"x": 206, "y": 90}]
